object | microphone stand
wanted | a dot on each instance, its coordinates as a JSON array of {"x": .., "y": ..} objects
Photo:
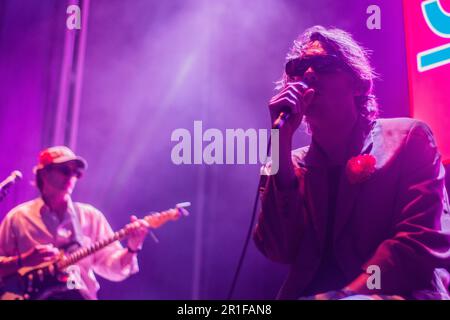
[
  {"x": 3, "y": 194},
  {"x": 4, "y": 186}
]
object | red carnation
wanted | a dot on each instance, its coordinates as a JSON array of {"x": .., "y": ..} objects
[
  {"x": 360, "y": 168},
  {"x": 300, "y": 172}
]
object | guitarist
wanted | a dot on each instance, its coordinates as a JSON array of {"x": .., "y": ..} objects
[{"x": 33, "y": 232}]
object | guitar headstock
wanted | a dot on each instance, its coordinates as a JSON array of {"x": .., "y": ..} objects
[{"x": 157, "y": 219}]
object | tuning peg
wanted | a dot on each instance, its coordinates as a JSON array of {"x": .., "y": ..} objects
[{"x": 181, "y": 206}]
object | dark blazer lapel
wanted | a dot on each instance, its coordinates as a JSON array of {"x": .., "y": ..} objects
[
  {"x": 316, "y": 192},
  {"x": 316, "y": 189},
  {"x": 347, "y": 195},
  {"x": 348, "y": 192}
]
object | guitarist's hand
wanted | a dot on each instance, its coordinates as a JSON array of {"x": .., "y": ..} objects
[
  {"x": 39, "y": 254},
  {"x": 139, "y": 230}
]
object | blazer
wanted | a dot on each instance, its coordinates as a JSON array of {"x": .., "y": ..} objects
[{"x": 393, "y": 219}]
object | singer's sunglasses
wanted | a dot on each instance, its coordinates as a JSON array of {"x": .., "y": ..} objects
[
  {"x": 320, "y": 64},
  {"x": 65, "y": 169}
]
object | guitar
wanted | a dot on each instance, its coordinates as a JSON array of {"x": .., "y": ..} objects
[{"x": 41, "y": 281}]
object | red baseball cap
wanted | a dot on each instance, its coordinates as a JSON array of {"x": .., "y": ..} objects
[{"x": 58, "y": 154}]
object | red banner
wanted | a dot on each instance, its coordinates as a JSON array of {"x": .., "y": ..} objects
[{"x": 427, "y": 31}]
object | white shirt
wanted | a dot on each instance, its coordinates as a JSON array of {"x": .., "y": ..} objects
[{"x": 32, "y": 223}]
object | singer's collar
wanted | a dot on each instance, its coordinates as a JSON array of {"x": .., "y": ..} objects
[{"x": 361, "y": 140}]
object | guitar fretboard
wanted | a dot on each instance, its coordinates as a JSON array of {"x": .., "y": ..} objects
[
  {"x": 157, "y": 218},
  {"x": 82, "y": 253},
  {"x": 162, "y": 218}
]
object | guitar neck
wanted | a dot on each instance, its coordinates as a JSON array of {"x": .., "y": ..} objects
[
  {"x": 82, "y": 253},
  {"x": 154, "y": 220}
]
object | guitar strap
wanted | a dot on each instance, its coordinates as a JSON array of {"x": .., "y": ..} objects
[{"x": 74, "y": 214}]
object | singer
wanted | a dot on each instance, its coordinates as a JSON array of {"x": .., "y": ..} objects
[
  {"x": 366, "y": 194},
  {"x": 32, "y": 232}
]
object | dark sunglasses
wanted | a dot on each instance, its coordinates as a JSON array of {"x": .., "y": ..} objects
[
  {"x": 320, "y": 64},
  {"x": 66, "y": 170}
]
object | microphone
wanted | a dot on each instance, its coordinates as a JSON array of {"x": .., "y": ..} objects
[
  {"x": 281, "y": 120},
  {"x": 284, "y": 115},
  {"x": 15, "y": 176}
]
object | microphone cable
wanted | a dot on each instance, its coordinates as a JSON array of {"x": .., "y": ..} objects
[{"x": 250, "y": 228}]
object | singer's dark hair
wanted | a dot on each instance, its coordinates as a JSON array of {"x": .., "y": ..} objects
[{"x": 352, "y": 54}]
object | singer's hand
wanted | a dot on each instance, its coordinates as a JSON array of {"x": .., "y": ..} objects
[{"x": 294, "y": 99}]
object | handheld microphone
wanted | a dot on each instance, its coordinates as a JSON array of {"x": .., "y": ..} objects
[
  {"x": 284, "y": 115},
  {"x": 281, "y": 120},
  {"x": 15, "y": 176}
]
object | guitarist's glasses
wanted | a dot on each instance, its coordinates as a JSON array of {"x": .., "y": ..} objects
[{"x": 65, "y": 169}]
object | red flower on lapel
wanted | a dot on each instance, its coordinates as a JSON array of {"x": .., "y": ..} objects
[
  {"x": 360, "y": 168},
  {"x": 300, "y": 172}
]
